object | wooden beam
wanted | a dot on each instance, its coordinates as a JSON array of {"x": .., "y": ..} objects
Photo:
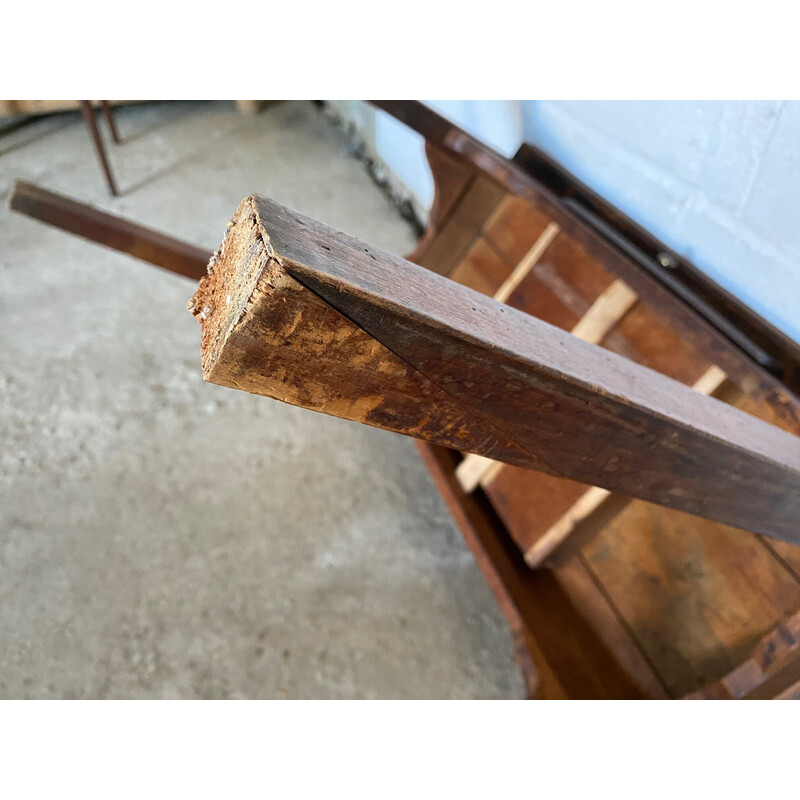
[
  {"x": 109, "y": 230},
  {"x": 584, "y": 513},
  {"x": 295, "y": 310},
  {"x": 606, "y": 311}
]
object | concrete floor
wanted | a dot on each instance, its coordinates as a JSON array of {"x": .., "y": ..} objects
[{"x": 165, "y": 538}]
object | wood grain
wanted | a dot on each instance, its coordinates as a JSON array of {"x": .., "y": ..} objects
[
  {"x": 497, "y": 382},
  {"x": 561, "y": 653},
  {"x": 696, "y": 595},
  {"x": 771, "y": 671},
  {"x": 583, "y": 217},
  {"x": 109, "y": 230},
  {"x": 606, "y": 311}
]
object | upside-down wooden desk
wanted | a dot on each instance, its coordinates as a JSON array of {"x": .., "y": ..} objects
[{"x": 606, "y": 596}]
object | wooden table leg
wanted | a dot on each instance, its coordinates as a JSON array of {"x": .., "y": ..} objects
[
  {"x": 104, "y": 104},
  {"x": 91, "y": 124}
]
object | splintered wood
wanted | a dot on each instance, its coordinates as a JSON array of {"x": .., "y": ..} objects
[{"x": 300, "y": 312}]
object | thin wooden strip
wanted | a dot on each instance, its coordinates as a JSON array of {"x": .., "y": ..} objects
[
  {"x": 518, "y": 389},
  {"x": 556, "y": 535},
  {"x": 591, "y": 501},
  {"x": 710, "y": 380},
  {"x": 471, "y": 470},
  {"x": 609, "y": 308},
  {"x": 606, "y": 311},
  {"x": 528, "y": 262}
]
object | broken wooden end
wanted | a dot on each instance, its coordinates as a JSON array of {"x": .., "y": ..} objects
[{"x": 243, "y": 262}]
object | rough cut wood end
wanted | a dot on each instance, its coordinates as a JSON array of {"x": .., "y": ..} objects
[
  {"x": 266, "y": 333},
  {"x": 243, "y": 263}
]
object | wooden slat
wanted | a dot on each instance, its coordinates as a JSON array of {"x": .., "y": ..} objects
[
  {"x": 526, "y": 265},
  {"x": 605, "y": 313},
  {"x": 451, "y": 366},
  {"x": 109, "y": 230}
]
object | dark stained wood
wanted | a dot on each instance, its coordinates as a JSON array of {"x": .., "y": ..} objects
[
  {"x": 587, "y": 594},
  {"x": 451, "y": 179},
  {"x": 109, "y": 230},
  {"x": 514, "y": 228},
  {"x": 571, "y": 658},
  {"x": 482, "y": 269},
  {"x": 530, "y": 503},
  {"x": 264, "y": 332},
  {"x": 461, "y": 227},
  {"x": 519, "y": 390},
  {"x": 706, "y": 326},
  {"x": 97, "y": 141}
]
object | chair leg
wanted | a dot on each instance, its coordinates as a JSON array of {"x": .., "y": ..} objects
[
  {"x": 91, "y": 124},
  {"x": 104, "y": 104}
]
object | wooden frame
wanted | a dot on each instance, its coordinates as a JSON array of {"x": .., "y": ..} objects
[{"x": 581, "y": 626}]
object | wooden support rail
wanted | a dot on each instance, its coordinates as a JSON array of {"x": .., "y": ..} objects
[
  {"x": 109, "y": 230},
  {"x": 295, "y": 310}
]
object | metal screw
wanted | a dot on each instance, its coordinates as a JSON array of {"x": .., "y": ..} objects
[{"x": 667, "y": 261}]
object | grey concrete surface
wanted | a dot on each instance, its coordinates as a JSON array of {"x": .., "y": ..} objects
[{"x": 165, "y": 538}]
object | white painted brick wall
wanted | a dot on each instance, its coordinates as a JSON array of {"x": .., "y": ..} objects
[{"x": 718, "y": 182}]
